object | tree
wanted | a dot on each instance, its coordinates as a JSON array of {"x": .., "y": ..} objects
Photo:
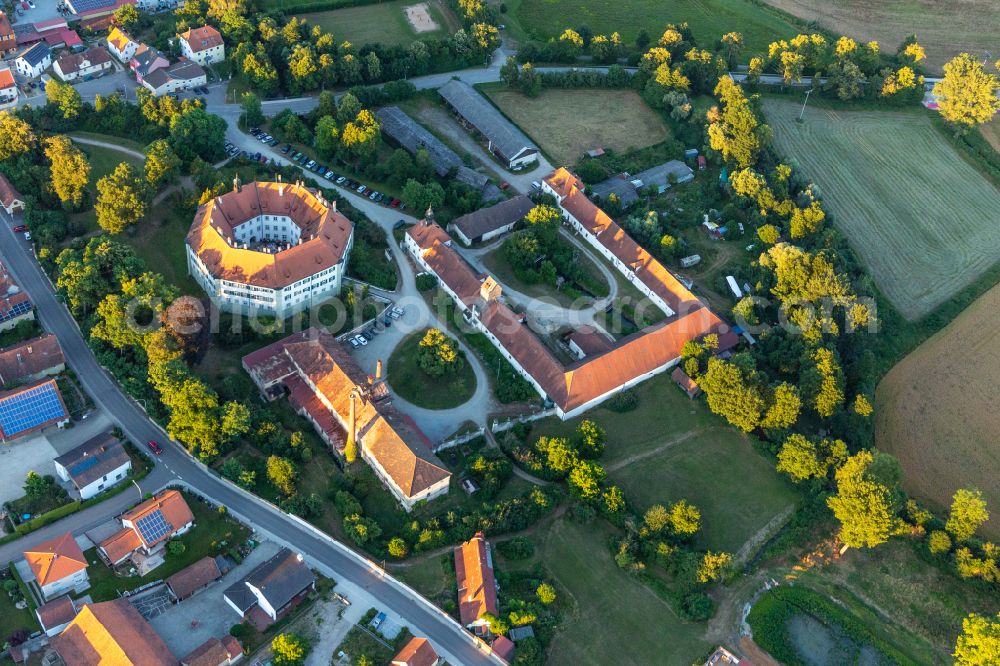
[
  {"x": 16, "y": 136},
  {"x": 784, "y": 407},
  {"x": 289, "y": 649},
  {"x": 420, "y": 197},
  {"x": 713, "y": 566},
  {"x": 498, "y": 626},
  {"x": 863, "y": 504},
  {"x": 979, "y": 642},
  {"x": 65, "y": 97},
  {"x": 196, "y": 132},
  {"x": 592, "y": 438},
  {"x": 509, "y": 72},
  {"x": 938, "y": 542},
  {"x": 281, "y": 472},
  {"x": 803, "y": 459},
  {"x": 560, "y": 457},
  {"x": 768, "y": 233},
  {"x": 735, "y": 131},
  {"x": 613, "y": 500},
  {"x": 235, "y": 421},
  {"x": 361, "y": 135},
  {"x": 176, "y": 547},
  {"x": 585, "y": 480},
  {"x": 121, "y": 199},
  {"x": 546, "y": 593},
  {"x": 968, "y": 513},
  {"x": 656, "y": 518},
  {"x": 731, "y": 396},
  {"x": 397, "y": 547},
  {"x": 69, "y": 169},
  {"x": 967, "y": 95},
  {"x": 127, "y": 17},
  {"x": 251, "y": 111},
  {"x": 327, "y": 136},
  {"x": 162, "y": 163},
  {"x": 438, "y": 355},
  {"x": 685, "y": 518},
  {"x": 35, "y": 485}
]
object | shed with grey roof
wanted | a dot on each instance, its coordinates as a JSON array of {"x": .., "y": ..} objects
[
  {"x": 488, "y": 223},
  {"x": 275, "y": 586},
  {"x": 503, "y": 139}
]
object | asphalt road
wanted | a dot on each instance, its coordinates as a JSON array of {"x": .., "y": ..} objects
[{"x": 175, "y": 465}]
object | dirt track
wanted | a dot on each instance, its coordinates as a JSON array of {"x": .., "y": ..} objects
[{"x": 937, "y": 410}]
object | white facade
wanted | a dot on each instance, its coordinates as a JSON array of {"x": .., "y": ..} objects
[
  {"x": 76, "y": 583},
  {"x": 172, "y": 84},
  {"x": 86, "y": 69},
  {"x": 238, "y": 297},
  {"x": 99, "y": 485},
  {"x": 8, "y": 99},
  {"x": 429, "y": 493},
  {"x": 205, "y": 56},
  {"x": 263, "y": 603},
  {"x": 127, "y": 50},
  {"x": 27, "y": 70}
]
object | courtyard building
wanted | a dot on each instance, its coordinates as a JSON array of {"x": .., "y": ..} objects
[
  {"x": 477, "y": 586},
  {"x": 502, "y": 138},
  {"x": 269, "y": 248},
  {"x": 203, "y": 45}
]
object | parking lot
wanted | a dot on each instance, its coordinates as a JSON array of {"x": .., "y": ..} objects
[{"x": 33, "y": 453}]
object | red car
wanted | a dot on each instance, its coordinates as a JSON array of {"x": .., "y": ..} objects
[
  {"x": 21, "y": 228},
  {"x": 504, "y": 185},
  {"x": 154, "y": 447},
  {"x": 394, "y": 203}
]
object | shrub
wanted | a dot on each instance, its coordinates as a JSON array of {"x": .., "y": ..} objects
[
  {"x": 624, "y": 401},
  {"x": 518, "y": 548},
  {"x": 426, "y": 282}
]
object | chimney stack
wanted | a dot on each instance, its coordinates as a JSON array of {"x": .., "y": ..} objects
[
  {"x": 351, "y": 426},
  {"x": 378, "y": 369}
]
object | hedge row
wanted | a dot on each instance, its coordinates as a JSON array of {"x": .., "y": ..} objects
[{"x": 295, "y": 7}]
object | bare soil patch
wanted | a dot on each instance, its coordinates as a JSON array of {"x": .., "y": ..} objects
[{"x": 419, "y": 17}]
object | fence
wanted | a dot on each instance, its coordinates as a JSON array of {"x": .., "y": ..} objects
[
  {"x": 511, "y": 422},
  {"x": 460, "y": 439}
]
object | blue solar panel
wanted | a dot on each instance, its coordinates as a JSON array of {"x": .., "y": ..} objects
[
  {"x": 83, "y": 465},
  {"x": 17, "y": 310},
  {"x": 154, "y": 526},
  {"x": 30, "y": 409},
  {"x": 80, "y": 6}
]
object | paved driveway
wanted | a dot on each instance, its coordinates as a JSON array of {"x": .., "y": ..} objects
[
  {"x": 211, "y": 615},
  {"x": 20, "y": 457}
]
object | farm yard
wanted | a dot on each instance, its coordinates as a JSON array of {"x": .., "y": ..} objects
[
  {"x": 921, "y": 218},
  {"x": 943, "y": 27},
  {"x": 567, "y": 123},
  {"x": 709, "y": 19},
  {"x": 935, "y": 411},
  {"x": 386, "y": 22}
]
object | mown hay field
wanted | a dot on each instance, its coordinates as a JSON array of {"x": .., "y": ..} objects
[
  {"x": 567, "y": 123},
  {"x": 382, "y": 23},
  {"x": 936, "y": 410},
  {"x": 925, "y": 222},
  {"x": 944, "y": 27}
]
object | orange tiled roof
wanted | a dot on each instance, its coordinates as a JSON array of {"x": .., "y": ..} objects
[
  {"x": 175, "y": 511},
  {"x": 214, "y": 652},
  {"x": 477, "y": 590},
  {"x": 121, "y": 544},
  {"x": 118, "y": 38},
  {"x": 6, "y": 78},
  {"x": 111, "y": 633},
  {"x": 418, "y": 652},
  {"x": 202, "y": 39},
  {"x": 55, "y": 559},
  {"x": 8, "y": 193},
  {"x": 325, "y": 233}
]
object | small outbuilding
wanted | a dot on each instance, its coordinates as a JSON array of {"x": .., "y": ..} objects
[
  {"x": 688, "y": 385},
  {"x": 487, "y": 223}
]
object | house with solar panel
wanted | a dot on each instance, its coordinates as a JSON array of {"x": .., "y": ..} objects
[
  {"x": 146, "y": 529},
  {"x": 96, "y": 465},
  {"x": 30, "y": 408},
  {"x": 14, "y": 302}
]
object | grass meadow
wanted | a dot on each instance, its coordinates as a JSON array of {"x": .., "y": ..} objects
[
  {"x": 709, "y": 19},
  {"x": 922, "y": 219},
  {"x": 384, "y": 22},
  {"x": 567, "y": 123}
]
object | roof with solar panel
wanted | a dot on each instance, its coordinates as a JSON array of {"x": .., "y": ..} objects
[
  {"x": 14, "y": 302},
  {"x": 29, "y": 408},
  {"x": 159, "y": 518},
  {"x": 93, "y": 459}
]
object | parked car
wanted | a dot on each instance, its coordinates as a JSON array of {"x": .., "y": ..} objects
[
  {"x": 154, "y": 447},
  {"x": 273, "y": 142},
  {"x": 21, "y": 228},
  {"x": 354, "y": 343},
  {"x": 372, "y": 196},
  {"x": 504, "y": 185},
  {"x": 341, "y": 180},
  {"x": 286, "y": 148},
  {"x": 361, "y": 340},
  {"x": 310, "y": 164},
  {"x": 378, "y": 620},
  {"x": 362, "y": 189},
  {"x": 368, "y": 335},
  {"x": 394, "y": 203},
  {"x": 27, "y": 235}
]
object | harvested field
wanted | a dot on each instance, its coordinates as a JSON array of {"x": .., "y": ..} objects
[
  {"x": 922, "y": 219},
  {"x": 567, "y": 123},
  {"x": 934, "y": 410},
  {"x": 944, "y": 27}
]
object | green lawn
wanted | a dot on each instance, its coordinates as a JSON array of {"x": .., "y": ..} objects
[
  {"x": 159, "y": 240},
  {"x": 414, "y": 385},
  {"x": 709, "y": 19},
  {"x": 671, "y": 448},
  {"x": 616, "y": 619},
  {"x": 11, "y": 618},
  {"x": 497, "y": 264},
  {"x": 108, "y": 138},
  {"x": 105, "y": 160},
  {"x": 213, "y": 533},
  {"x": 432, "y": 577},
  {"x": 384, "y": 22}
]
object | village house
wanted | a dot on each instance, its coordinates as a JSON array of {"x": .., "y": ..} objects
[
  {"x": 274, "y": 248},
  {"x": 486, "y": 224},
  {"x": 193, "y": 578},
  {"x": 146, "y": 529},
  {"x": 8, "y": 38},
  {"x": 145, "y": 61},
  {"x": 203, "y": 45},
  {"x": 272, "y": 589},
  {"x": 30, "y": 408},
  {"x": 57, "y": 566},
  {"x": 502, "y": 138},
  {"x": 31, "y": 360},
  {"x": 32, "y": 61},
  {"x": 15, "y": 306},
  {"x": 8, "y": 98},
  {"x": 96, "y": 465},
  {"x": 121, "y": 45},
  {"x": 686, "y": 384},
  {"x": 477, "y": 586},
  {"x": 215, "y": 652},
  {"x": 325, "y": 385},
  {"x": 53, "y": 616},
  {"x": 182, "y": 75},
  {"x": 503, "y": 647},
  {"x": 92, "y": 62},
  {"x": 110, "y": 632},
  {"x": 418, "y": 652},
  {"x": 660, "y": 177},
  {"x": 12, "y": 203}
]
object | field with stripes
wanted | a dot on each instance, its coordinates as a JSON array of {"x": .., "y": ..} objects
[{"x": 922, "y": 219}]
